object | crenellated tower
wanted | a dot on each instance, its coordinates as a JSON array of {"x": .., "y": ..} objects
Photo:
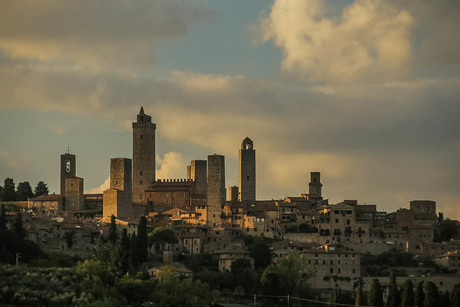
[{"x": 143, "y": 155}]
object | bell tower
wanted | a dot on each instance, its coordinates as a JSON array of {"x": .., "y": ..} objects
[
  {"x": 247, "y": 171},
  {"x": 143, "y": 155},
  {"x": 68, "y": 169}
]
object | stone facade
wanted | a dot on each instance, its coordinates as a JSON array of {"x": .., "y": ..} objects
[
  {"x": 247, "y": 171},
  {"x": 216, "y": 189},
  {"x": 143, "y": 155},
  {"x": 74, "y": 197},
  {"x": 117, "y": 200},
  {"x": 199, "y": 174},
  {"x": 315, "y": 186}
]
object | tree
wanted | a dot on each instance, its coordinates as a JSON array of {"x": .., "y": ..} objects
[
  {"x": 394, "y": 297},
  {"x": 24, "y": 191},
  {"x": 8, "y": 191},
  {"x": 336, "y": 296},
  {"x": 431, "y": 294},
  {"x": 142, "y": 240},
  {"x": 41, "y": 189},
  {"x": 161, "y": 236},
  {"x": 375, "y": 294},
  {"x": 359, "y": 296},
  {"x": 2, "y": 217},
  {"x": 260, "y": 251},
  {"x": 124, "y": 251},
  {"x": 419, "y": 295},
  {"x": 70, "y": 238},
  {"x": 407, "y": 297},
  {"x": 17, "y": 225},
  {"x": 134, "y": 258},
  {"x": 455, "y": 298},
  {"x": 113, "y": 235},
  {"x": 445, "y": 300}
]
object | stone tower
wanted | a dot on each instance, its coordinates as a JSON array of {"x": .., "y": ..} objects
[
  {"x": 68, "y": 170},
  {"x": 118, "y": 199},
  {"x": 216, "y": 189},
  {"x": 247, "y": 171},
  {"x": 199, "y": 174},
  {"x": 143, "y": 155},
  {"x": 315, "y": 185}
]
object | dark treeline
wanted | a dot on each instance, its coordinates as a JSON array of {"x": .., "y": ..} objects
[{"x": 9, "y": 191}]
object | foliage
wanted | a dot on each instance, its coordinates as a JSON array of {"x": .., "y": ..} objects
[
  {"x": 142, "y": 241},
  {"x": 375, "y": 297},
  {"x": 161, "y": 236},
  {"x": 259, "y": 249},
  {"x": 124, "y": 251},
  {"x": 359, "y": 296},
  {"x": 394, "y": 297},
  {"x": 287, "y": 276},
  {"x": 8, "y": 190},
  {"x": 240, "y": 264},
  {"x": 431, "y": 294},
  {"x": 11, "y": 243},
  {"x": 24, "y": 191},
  {"x": 17, "y": 225},
  {"x": 407, "y": 296},
  {"x": 445, "y": 231},
  {"x": 41, "y": 189},
  {"x": 2, "y": 217},
  {"x": 336, "y": 297},
  {"x": 307, "y": 228},
  {"x": 445, "y": 299},
  {"x": 70, "y": 238},
  {"x": 113, "y": 235},
  {"x": 455, "y": 297},
  {"x": 419, "y": 295},
  {"x": 378, "y": 265}
]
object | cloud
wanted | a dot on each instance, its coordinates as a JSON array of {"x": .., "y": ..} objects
[
  {"x": 11, "y": 160},
  {"x": 98, "y": 190},
  {"x": 171, "y": 166},
  {"x": 93, "y": 36},
  {"x": 370, "y": 40}
]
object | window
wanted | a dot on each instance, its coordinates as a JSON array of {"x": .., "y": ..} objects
[
  {"x": 331, "y": 270},
  {"x": 141, "y": 173},
  {"x": 142, "y": 136},
  {"x": 140, "y": 182},
  {"x": 336, "y": 220}
]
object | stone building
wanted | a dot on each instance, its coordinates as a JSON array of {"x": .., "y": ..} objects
[
  {"x": 68, "y": 169},
  {"x": 143, "y": 155},
  {"x": 216, "y": 189},
  {"x": 117, "y": 200},
  {"x": 247, "y": 171},
  {"x": 331, "y": 266}
]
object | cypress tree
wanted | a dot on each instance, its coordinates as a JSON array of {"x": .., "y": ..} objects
[
  {"x": 359, "y": 296},
  {"x": 142, "y": 240},
  {"x": 124, "y": 251},
  {"x": 407, "y": 299},
  {"x": 394, "y": 297},
  {"x": 431, "y": 294},
  {"x": 375, "y": 294},
  {"x": 419, "y": 295},
  {"x": 134, "y": 257},
  {"x": 455, "y": 297},
  {"x": 336, "y": 296},
  {"x": 9, "y": 190},
  {"x": 113, "y": 236},
  {"x": 445, "y": 300},
  {"x": 2, "y": 217},
  {"x": 17, "y": 226}
]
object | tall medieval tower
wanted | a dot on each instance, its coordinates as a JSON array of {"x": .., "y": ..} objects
[
  {"x": 68, "y": 169},
  {"x": 315, "y": 185},
  {"x": 215, "y": 189},
  {"x": 247, "y": 171},
  {"x": 143, "y": 155}
]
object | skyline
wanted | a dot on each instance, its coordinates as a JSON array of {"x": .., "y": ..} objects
[{"x": 365, "y": 92}]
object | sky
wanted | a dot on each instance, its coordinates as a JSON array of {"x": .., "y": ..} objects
[{"x": 365, "y": 92}]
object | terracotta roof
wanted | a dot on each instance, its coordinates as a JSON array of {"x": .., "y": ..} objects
[{"x": 50, "y": 197}]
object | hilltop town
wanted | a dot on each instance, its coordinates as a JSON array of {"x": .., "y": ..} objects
[{"x": 208, "y": 217}]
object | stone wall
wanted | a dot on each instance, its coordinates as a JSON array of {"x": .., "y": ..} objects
[{"x": 216, "y": 189}]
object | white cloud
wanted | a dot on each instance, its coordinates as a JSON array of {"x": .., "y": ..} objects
[
  {"x": 171, "y": 166},
  {"x": 370, "y": 41},
  {"x": 98, "y": 190}
]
